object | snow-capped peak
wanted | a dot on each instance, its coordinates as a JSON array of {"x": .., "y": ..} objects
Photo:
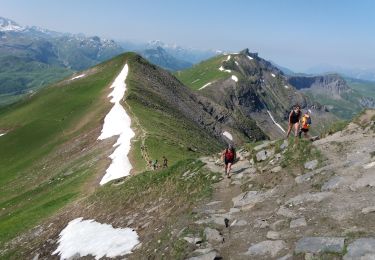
[{"x": 7, "y": 25}]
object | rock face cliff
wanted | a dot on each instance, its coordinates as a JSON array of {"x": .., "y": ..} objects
[{"x": 332, "y": 85}]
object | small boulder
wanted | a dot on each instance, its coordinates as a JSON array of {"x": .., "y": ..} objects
[
  {"x": 278, "y": 225},
  {"x": 273, "y": 235},
  {"x": 262, "y": 156},
  {"x": 320, "y": 245},
  {"x": 300, "y": 222},
  {"x": 362, "y": 248},
  {"x": 212, "y": 235},
  {"x": 276, "y": 169},
  {"x": 283, "y": 211},
  {"x": 311, "y": 165},
  {"x": 267, "y": 248}
]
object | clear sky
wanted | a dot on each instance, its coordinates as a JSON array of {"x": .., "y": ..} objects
[{"x": 294, "y": 33}]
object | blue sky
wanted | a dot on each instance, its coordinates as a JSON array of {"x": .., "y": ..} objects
[{"x": 294, "y": 33}]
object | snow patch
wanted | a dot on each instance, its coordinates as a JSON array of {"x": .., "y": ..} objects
[
  {"x": 222, "y": 69},
  {"x": 235, "y": 53},
  {"x": 117, "y": 123},
  {"x": 273, "y": 120},
  {"x": 236, "y": 63},
  {"x": 206, "y": 85},
  {"x": 273, "y": 75},
  {"x": 88, "y": 237},
  {"x": 77, "y": 77},
  {"x": 286, "y": 86},
  {"x": 195, "y": 81},
  {"x": 228, "y": 135},
  {"x": 235, "y": 78},
  {"x": 228, "y": 58},
  {"x": 250, "y": 58},
  {"x": 1, "y": 134}
]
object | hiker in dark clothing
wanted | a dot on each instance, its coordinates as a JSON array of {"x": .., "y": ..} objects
[
  {"x": 229, "y": 156},
  {"x": 294, "y": 118},
  {"x": 155, "y": 164},
  {"x": 165, "y": 162}
]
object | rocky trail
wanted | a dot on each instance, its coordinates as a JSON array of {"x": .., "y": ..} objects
[{"x": 322, "y": 210}]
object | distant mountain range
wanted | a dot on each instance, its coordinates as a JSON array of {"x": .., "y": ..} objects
[
  {"x": 32, "y": 57},
  {"x": 363, "y": 74}
]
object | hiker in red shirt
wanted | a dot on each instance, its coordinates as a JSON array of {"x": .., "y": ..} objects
[{"x": 229, "y": 156}]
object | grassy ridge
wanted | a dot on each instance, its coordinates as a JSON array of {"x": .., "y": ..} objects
[
  {"x": 203, "y": 73},
  {"x": 168, "y": 132},
  {"x": 36, "y": 176}
]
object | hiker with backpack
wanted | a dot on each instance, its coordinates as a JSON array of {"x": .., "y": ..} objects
[
  {"x": 305, "y": 124},
  {"x": 228, "y": 156},
  {"x": 294, "y": 119}
]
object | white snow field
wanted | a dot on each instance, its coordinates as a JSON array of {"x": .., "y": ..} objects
[
  {"x": 228, "y": 58},
  {"x": 88, "y": 237},
  {"x": 117, "y": 123},
  {"x": 234, "y": 78},
  {"x": 77, "y": 77},
  {"x": 250, "y": 58},
  {"x": 222, "y": 69},
  {"x": 228, "y": 135},
  {"x": 2, "y": 134},
  {"x": 206, "y": 85},
  {"x": 273, "y": 75},
  {"x": 273, "y": 120}
]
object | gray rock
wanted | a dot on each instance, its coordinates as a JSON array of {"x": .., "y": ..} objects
[
  {"x": 193, "y": 240},
  {"x": 278, "y": 225},
  {"x": 273, "y": 235},
  {"x": 262, "y": 156},
  {"x": 309, "y": 197},
  {"x": 214, "y": 203},
  {"x": 276, "y": 169},
  {"x": 262, "y": 146},
  {"x": 211, "y": 254},
  {"x": 284, "y": 145},
  {"x": 286, "y": 212},
  {"x": 362, "y": 248},
  {"x": 368, "y": 210},
  {"x": 320, "y": 245},
  {"x": 304, "y": 178},
  {"x": 333, "y": 183},
  {"x": 212, "y": 235},
  {"x": 267, "y": 248},
  {"x": 261, "y": 223},
  {"x": 311, "y": 165},
  {"x": 36, "y": 257},
  {"x": 249, "y": 198},
  {"x": 300, "y": 222},
  {"x": 367, "y": 180}
]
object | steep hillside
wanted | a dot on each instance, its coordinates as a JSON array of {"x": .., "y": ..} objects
[
  {"x": 333, "y": 91},
  {"x": 247, "y": 84}
]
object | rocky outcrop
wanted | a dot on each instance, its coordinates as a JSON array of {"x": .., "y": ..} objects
[{"x": 331, "y": 84}]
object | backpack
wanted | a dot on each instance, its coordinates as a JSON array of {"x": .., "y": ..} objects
[{"x": 306, "y": 122}]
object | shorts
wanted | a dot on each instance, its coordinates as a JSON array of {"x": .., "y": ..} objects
[
  {"x": 226, "y": 161},
  {"x": 293, "y": 121},
  {"x": 305, "y": 130}
]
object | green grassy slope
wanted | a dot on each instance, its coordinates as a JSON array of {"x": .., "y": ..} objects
[
  {"x": 50, "y": 156},
  {"x": 203, "y": 73},
  {"x": 168, "y": 132},
  {"x": 366, "y": 88},
  {"x": 42, "y": 162}
]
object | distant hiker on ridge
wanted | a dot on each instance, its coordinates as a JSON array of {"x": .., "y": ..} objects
[
  {"x": 165, "y": 162},
  {"x": 229, "y": 156},
  {"x": 294, "y": 118}
]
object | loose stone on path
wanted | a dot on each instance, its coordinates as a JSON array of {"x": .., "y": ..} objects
[{"x": 320, "y": 245}]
